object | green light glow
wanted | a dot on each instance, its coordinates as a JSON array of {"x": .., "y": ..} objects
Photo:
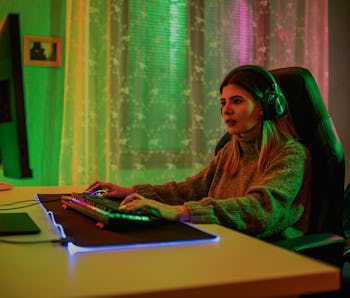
[{"x": 157, "y": 73}]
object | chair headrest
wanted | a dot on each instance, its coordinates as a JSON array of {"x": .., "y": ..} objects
[{"x": 307, "y": 108}]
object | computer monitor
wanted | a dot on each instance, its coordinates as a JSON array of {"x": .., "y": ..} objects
[{"x": 14, "y": 158}]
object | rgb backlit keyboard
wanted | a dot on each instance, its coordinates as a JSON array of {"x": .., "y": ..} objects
[{"x": 104, "y": 210}]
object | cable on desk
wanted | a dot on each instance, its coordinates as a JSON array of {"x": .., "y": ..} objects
[
  {"x": 24, "y": 206},
  {"x": 59, "y": 240}
]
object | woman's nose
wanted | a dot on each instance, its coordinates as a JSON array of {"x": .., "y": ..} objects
[{"x": 226, "y": 109}]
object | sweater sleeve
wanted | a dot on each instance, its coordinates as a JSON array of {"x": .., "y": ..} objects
[
  {"x": 176, "y": 193},
  {"x": 272, "y": 205}
]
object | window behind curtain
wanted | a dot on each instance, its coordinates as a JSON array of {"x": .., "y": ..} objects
[
  {"x": 229, "y": 31},
  {"x": 179, "y": 51},
  {"x": 177, "y": 60},
  {"x": 157, "y": 109},
  {"x": 141, "y": 86}
]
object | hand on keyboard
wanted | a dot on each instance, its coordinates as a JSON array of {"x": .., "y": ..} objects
[
  {"x": 104, "y": 210},
  {"x": 136, "y": 202}
]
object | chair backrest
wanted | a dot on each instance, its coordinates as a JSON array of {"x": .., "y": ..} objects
[
  {"x": 316, "y": 131},
  {"x": 346, "y": 214}
]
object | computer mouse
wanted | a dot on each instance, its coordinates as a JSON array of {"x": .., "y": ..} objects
[
  {"x": 5, "y": 186},
  {"x": 96, "y": 192}
]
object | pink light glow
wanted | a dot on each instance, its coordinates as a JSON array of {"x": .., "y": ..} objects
[{"x": 244, "y": 33}]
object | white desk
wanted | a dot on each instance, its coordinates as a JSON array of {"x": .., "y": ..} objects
[{"x": 235, "y": 266}]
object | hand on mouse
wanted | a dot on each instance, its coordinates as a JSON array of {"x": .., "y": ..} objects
[{"x": 112, "y": 190}]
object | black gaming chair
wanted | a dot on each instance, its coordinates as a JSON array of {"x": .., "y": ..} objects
[{"x": 325, "y": 238}]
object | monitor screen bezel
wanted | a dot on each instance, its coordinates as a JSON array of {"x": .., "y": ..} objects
[{"x": 14, "y": 151}]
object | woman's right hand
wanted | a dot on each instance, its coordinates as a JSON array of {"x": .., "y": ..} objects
[{"x": 112, "y": 190}]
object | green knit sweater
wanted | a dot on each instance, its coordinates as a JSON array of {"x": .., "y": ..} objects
[{"x": 270, "y": 205}]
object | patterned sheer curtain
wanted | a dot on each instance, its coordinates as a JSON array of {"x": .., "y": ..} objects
[{"x": 141, "y": 97}]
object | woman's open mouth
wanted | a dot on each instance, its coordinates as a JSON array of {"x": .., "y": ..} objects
[{"x": 230, "y": 122}]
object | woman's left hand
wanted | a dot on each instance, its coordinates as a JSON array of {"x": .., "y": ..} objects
[{"x": 136, "y": 202}]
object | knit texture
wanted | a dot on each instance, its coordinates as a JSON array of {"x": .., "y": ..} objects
[{"x": 271, "y": 205}]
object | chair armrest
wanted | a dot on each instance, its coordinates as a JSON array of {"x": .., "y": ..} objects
[{"x": 323, "y": 246}]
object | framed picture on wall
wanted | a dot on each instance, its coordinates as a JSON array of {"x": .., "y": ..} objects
[{"x": 42, "y": 51}]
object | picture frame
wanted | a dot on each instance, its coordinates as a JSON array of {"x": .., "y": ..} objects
[{"x": 42, "y": 51}]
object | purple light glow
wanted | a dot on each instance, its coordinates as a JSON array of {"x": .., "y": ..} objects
[{"x": 75, "y": 249}]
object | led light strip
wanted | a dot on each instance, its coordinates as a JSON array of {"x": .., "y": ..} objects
[{"x": 74, "y": 249}]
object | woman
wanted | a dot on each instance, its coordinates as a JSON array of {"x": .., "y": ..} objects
[{"x": 259, "y": 183}]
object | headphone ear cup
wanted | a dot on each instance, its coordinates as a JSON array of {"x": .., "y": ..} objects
[
  {"x": 273, "y": 102},
  {"x": 273, "y": 105}
]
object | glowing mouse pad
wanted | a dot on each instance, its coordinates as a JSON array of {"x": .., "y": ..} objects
[
  {"x": 16, "y": 224},
  {"x": 84, "y": 232}
]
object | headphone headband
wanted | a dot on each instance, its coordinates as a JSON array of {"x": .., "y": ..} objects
[{"x": 272, "y": 99}]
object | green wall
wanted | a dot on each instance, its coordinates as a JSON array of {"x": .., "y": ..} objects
[{"x": 43, "y": 87}]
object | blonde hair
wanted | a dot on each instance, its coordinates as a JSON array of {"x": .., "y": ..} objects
[
  {"x": 274, "y": 134},
  {"x": 276, "y": 129}
]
